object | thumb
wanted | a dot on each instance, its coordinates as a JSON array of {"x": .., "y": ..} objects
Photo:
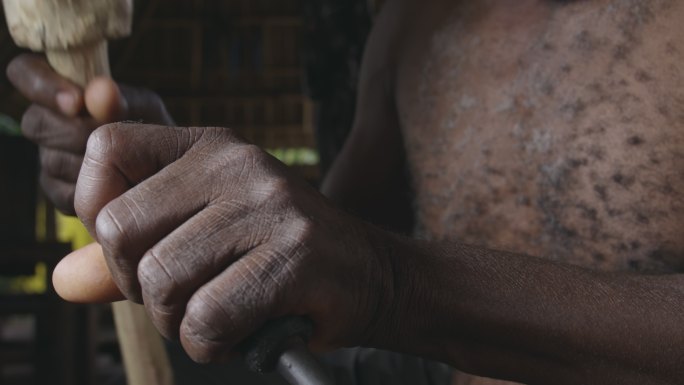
[{"x": 104, "y": 101}]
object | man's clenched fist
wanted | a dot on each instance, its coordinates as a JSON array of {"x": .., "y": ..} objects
[{"x": 216, "y": 237}]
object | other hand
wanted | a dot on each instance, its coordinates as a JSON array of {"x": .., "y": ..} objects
[{"x": 62, "y": 116}]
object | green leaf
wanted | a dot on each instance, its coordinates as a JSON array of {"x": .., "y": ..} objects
[{"x": 9, "y": 126}]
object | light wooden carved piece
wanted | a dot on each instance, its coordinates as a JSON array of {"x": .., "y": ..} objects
[{"x": 72, "y": 33}]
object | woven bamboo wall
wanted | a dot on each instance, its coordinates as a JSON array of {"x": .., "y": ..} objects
[{"x": 231, "y": 63}]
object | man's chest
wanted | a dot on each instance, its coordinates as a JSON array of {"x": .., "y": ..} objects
[{"x": 552, "y": 129}]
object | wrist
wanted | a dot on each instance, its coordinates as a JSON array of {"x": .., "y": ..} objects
[{"x": 419, "y": 296}]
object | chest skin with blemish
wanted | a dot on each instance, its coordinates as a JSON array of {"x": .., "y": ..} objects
[{"x": 551, "y": 128}]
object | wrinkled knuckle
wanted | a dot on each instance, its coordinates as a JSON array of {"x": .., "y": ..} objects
[
  {"x": 304, "y": 230},
  {"x": 268, "y": 282},
  {"x": 101, "y": 142},
  {"x": 165, "y": 315},
  {"x": 276, "y": 190},
  {"x": 249, "y": 152},
  {"x": 110, "y": 233},
  {"x": 201, "y": 312},
  {"x": 200, "y": 330},
  {"x": 110, "y": 139},
  {"x": 245, "y": 161},
  {"x": 156, "y": 281}
]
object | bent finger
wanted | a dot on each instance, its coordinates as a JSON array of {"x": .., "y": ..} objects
[
  {"x": 192, "y": 255},
  {"x": 59, "y": 192},
  {"x": 60, "y": 164},
  {"x": 49, "y": 129},
  {"x": 121, "y": 155},
  {"x": 37, "y": 81},
  {"x": 239, "y": 301},
  {"x": 147, "y": 214}
]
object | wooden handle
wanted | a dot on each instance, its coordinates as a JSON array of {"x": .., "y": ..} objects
[
  {"x": 141, "y": 345},
  {"x": 83, "y": 277},
  {"x": 144, "y": 355},
  {"x": 81, "y": 65}
]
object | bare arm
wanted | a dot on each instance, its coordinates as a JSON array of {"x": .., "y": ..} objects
[
  {"x": 255, "y": 243},
  {"x": 369, "y": 177},
  {"x": 533, "y": 321},
  {"x": 523, "y": 318}
]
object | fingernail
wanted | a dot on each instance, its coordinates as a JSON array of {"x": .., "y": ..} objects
[{"x": 67, "y": 103}]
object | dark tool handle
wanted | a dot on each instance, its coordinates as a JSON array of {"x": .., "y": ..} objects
[
  {"x": 281, "y": 345},
  {"x": 299, "y": 367},
  {"x": 264, "y": 348}
]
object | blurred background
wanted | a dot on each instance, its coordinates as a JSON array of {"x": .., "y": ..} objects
[{"x": 281, "y": 72}]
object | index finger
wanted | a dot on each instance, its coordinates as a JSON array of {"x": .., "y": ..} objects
[{"x": 37, "y": 81}]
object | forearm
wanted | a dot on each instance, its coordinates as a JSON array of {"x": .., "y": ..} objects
[{"x": 534, "y": 321}]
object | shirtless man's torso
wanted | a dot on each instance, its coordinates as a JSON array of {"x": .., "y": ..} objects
[{"x": 549, "y": 128}]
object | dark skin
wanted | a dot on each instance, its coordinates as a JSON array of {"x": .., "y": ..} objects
[
  {"x": 61, "y": 125},
  {"x": 264, "y": 244}
]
